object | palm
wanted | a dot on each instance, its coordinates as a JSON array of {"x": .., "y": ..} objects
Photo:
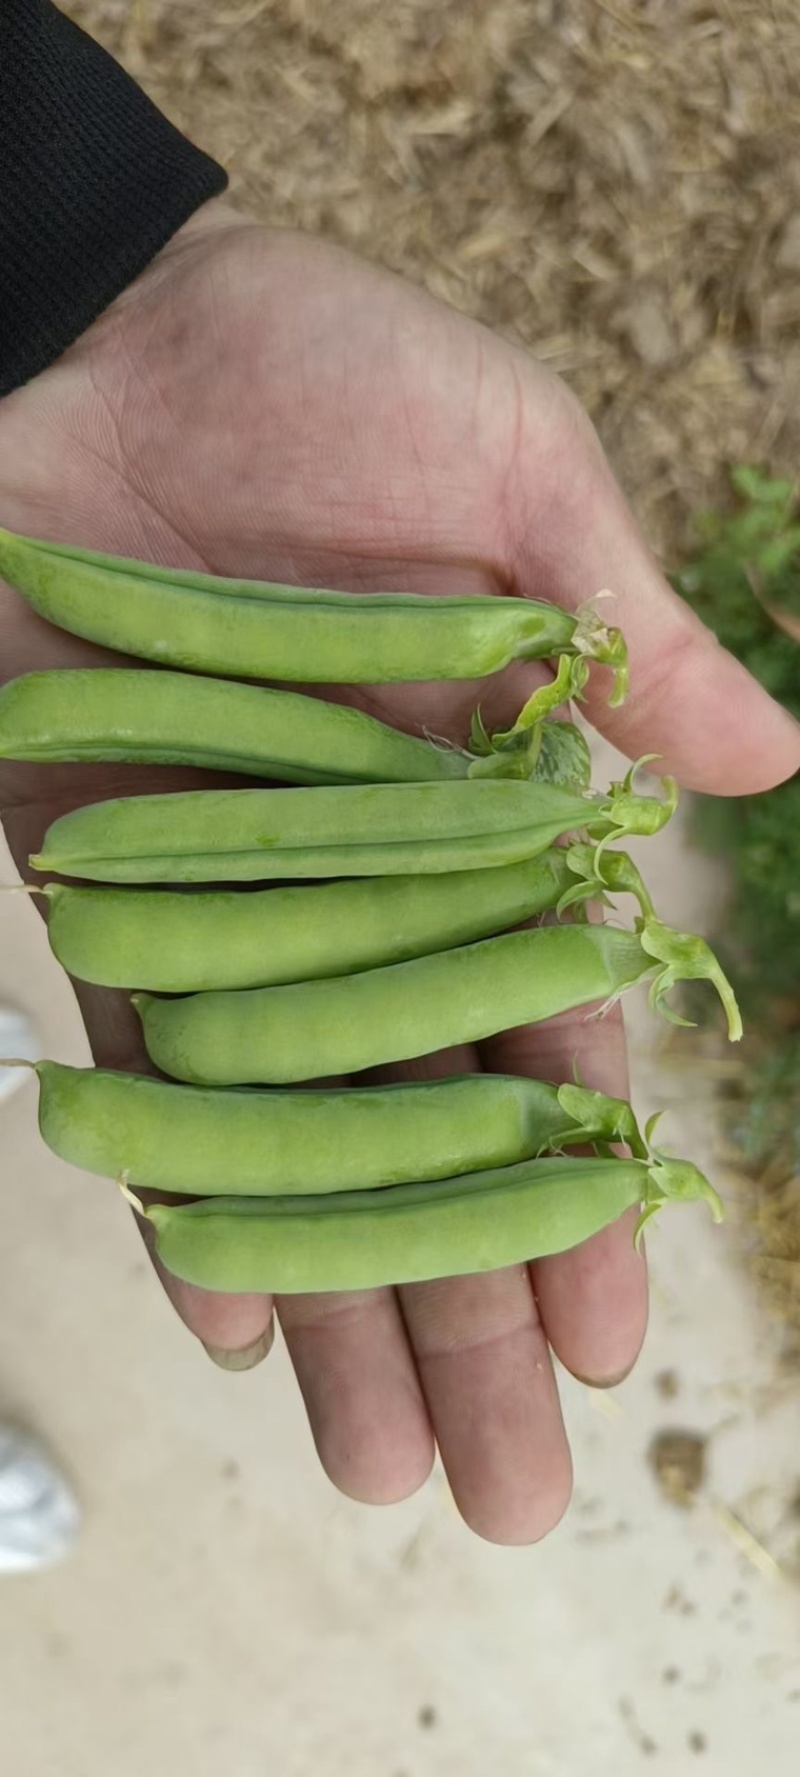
[{"x": 263, "y": 405}]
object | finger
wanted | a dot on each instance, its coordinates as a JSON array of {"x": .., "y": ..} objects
[
  {"x": 237, "y": 1331},
  {"x": 31, "y": 644},
  {"x": 570, "y": 533},
  {"x": 485, "y": 1370},
  {"x": 361, "y": 1392},
  {"x": 593, "y": 1302},
  {"x": 461, "y": 1059},
  {"x": 488, "y": 1380},
  {"x": 354, "y": 1365},
  {"x": 592, "y": 1299}
]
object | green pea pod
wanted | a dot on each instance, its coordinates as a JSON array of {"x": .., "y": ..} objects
[
  {"x": 275, "y": 1035},
  {"x": 164, "y": 718},
  {"x": 199, "y": 1141},
  {"x": 411, "y": 1233},
  {"x": 172, "y": 942},
  {"x": 169, "y": 941},
  {"x": 250, "y": 629},
  {"x": 352, "y": 830}
]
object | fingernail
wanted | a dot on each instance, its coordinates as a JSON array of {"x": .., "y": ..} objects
[
  {"x": 603, "y": 1382},
  {"x": 247, "y": 1356}
]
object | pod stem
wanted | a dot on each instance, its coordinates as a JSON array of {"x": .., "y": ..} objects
[
  {"x": 19, "y": 1061},
  {"x": 23, "y": 888}
]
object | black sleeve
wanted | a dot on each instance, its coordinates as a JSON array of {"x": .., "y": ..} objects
[{"x": 93, "y": 182}]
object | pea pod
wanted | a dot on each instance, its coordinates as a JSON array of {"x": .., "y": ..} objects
[
  {"x": 163, "y": 718},
  {"x": 252, "y": 629},
  {"x": 170, "y": 941},
  {"x": 414, "y": 1232},
  {"x": 353, "y": 830},
  {"x": 199, "y": 1141},
  {"x": 304, "y": 1032}
]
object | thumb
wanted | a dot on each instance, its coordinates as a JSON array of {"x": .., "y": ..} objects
[{"x": 571, "y": 533}]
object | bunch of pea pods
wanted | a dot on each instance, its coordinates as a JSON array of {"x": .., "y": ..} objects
[{"x": 376, "y": 910}]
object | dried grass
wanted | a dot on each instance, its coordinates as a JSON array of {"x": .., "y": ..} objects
[{"x": 615, "y": 185}]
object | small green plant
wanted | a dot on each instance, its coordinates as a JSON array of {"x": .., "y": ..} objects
[{"x": 744, "y": 581}]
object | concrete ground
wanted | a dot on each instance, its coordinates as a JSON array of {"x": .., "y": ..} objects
[{"x": 225, "y": 1609}]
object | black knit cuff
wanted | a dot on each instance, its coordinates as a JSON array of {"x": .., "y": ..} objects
[{"x": 93, "y": 182}]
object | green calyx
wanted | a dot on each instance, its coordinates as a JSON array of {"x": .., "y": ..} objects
[
  {"x": 536, "y": 748},
  {"x": 595, "y": 640},
  {"x": 610, "y": 873},
  {"x": 549, "y": 753},
  {"x": 630, "y": 814},
  {"x": 602, "y": 1120},
  {"x": 685, "y": 958},
  {"x": 669, "y": 1180},
  {"x": 605, "y": 1120},
  {"x": 545, "y": 751}
]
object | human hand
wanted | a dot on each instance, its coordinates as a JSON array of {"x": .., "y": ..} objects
[{"x": 262, "y": 404}]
